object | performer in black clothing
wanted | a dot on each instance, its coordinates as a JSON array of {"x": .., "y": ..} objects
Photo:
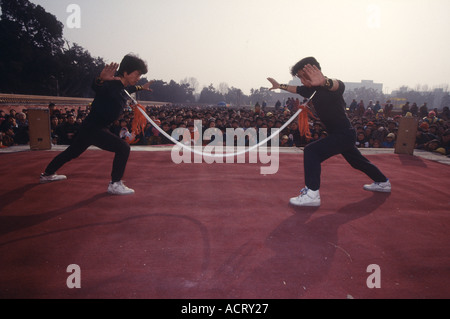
[
  {"x": 108, "y": 105},
  {"x": 329, "y": 105}
]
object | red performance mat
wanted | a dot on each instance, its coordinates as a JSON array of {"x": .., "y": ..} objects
[{"x": 220, "y": 231}]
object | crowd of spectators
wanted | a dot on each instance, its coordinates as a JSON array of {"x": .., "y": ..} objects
[{"x": 376, "y": 124}]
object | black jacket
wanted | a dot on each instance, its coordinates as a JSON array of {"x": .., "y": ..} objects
[
  {"x": 329, "y": 106},
  {"x": 109, "y": 102}
]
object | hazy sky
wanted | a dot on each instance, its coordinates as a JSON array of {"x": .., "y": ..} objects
[{"x": 242, "y": 42}]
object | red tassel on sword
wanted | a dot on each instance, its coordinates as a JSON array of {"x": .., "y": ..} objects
[
  {"x": 139, "y": 121},
  {"x": 303, "y": 120}
]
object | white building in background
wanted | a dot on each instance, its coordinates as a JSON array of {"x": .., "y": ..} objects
[{"x": 368, "y": 84}]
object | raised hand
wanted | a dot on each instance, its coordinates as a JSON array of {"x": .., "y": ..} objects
[
  {"x": 109, "y": 71},
  {"x": 314, "y": 76},
  {"x": 147, "y": 85}
]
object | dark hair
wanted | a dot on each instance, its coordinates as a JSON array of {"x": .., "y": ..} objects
[
  {"x": 131, "y": 63},
  {"x": 302, "y": 63}
]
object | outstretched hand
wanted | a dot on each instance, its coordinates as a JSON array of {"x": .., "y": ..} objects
[
  {"x": 275, "y": 84},
  {"x": 108, "y": 73},
  {"x": 147, "y": 85}
]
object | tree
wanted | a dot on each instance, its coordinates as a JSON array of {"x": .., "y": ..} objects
[
  {"x": 33, "y": 25},
  {"x": 192, "y": 82},
  {"x": 209, "y": 95},
  {"x": 76, "y": 71},
  {"x": 30, "y": 39},
  {"x": 260, "y": 95},
  {"x": 223, "y": 88},
  {"x": 32, "y": 56},
  {"x": 167, "y": 92},
  {"x": 235, "y": 96}
]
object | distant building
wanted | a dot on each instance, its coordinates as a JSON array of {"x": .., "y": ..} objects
[{"x": 368, "y": 84}]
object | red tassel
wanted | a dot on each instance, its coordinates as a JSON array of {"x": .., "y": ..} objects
[
  {"x": 137, "y": 125},
  {"x": 303, "y": 121},
  {"x": 139, "y": 121}
]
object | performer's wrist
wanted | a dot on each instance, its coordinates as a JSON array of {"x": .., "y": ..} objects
[
  {"x": 284, "y": 87},
  {"x": 328, "y": 84},
  {"x": 99, "y": 81}
]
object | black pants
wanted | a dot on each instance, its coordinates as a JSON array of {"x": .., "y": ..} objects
[
  {"x": 334, "y": 144},
  {"x": 100, "y": 137}
]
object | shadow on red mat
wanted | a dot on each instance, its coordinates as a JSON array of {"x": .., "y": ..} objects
[
  {"x": 18, "y": 223},
  {"x": 222, "y": 231},
  {"x": 303, "y": 248}
]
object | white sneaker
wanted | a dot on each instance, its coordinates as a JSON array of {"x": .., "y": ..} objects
[
  {"x": 44, "y": 178},
  {"x": 119, "y": 188},
  {"x": 379, "y": 187},
  {"x": 307, "y": 197}
]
